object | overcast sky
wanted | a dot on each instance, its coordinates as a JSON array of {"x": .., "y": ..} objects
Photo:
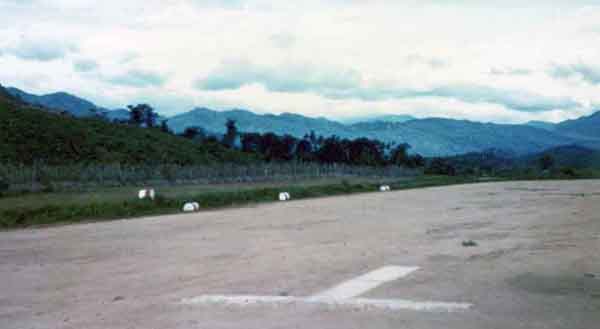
[{"x": 501, "y": 61}]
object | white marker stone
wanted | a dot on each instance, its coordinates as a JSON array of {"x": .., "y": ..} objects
[
  {"x": 146, "y": 194},
  {"x": 189, "y": 207}
]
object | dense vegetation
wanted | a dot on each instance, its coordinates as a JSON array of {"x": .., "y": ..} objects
[
  {"x": 56, "y": 139},
  {"x": 43, "y": 148},
  {"x": 50, "y": 150},
  {"x": 29, "y": 135},
  {"x": 46, "y": 137},
  {"x": 569, "y": 161},
  {"x": 428, "y": 137}
]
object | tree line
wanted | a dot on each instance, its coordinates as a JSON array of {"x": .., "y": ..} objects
[{"x": 310, "y": 148}]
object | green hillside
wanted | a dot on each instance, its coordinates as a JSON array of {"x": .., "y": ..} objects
[
  {"x": 28, "y": 135},
  {"x": 587, "y": 127},
  {"x": 573, "y": 156}
]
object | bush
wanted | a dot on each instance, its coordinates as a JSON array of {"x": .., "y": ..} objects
[
  {"x": 568, "y": 171},
  {"x": 439, "y": 166}
]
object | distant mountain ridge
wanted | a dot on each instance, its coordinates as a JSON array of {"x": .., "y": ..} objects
[
  {"x": 542, "y": 125},
  {"x": 74, "y": 105},
  {"x": 286, "y": 123},
  {"x": 586, "y": 127},
  {"x": 396, "y": 118},
  {"x": 442, "y": 137},
  {"x": 28, "y": 134},
  {"x": 565, "y": 157},
  {"x": 429, "y": 137}
]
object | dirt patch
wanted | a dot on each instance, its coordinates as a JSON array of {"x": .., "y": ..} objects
[
  {"x": 493, "y": 254},
  {"x": 526, "y": 189},
  {"x": 490, "y": 236},
  {"x": 289, "y": 227},
  {"x": 443, "y": 258},
  {"x": 451, "y": 228}
]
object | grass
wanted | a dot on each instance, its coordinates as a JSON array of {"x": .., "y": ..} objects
[
  {"x": 40, "y": 209},
  {"x": 31, "y": 135}
]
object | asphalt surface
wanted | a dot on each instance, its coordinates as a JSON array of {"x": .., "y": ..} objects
[{"x": 536, "y": 263}]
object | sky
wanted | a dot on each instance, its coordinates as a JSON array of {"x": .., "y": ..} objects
[{"x": 493, "y": 61}]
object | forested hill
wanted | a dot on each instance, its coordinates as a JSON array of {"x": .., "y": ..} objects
[
  {"x": 59, "y": 101},
  {"x": 586, "y": 127},
  {"x": 29, "y": 135},
  {"x": 428, "y": 137}
]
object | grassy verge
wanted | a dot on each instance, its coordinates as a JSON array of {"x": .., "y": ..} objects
[{"x": 40, "y": 210}]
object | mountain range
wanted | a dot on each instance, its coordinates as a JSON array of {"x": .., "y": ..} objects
[
  {"x": 59, "y": 101},
  {"x": 384, "y": 118},
  {"x": 429, "y": 137},
  {"x": 62, "y": 101}
]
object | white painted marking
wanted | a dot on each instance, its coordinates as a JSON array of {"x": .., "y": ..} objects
[
  {"x": 366, "y": 282},
  {"x": 351, "y": 303},
  {"x": 341, "y": 296}
]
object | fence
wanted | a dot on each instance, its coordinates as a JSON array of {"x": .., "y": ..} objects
[{"x": 36, "y": 177}]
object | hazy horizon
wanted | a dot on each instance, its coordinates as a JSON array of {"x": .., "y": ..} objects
[{"x": 498, "y": 62}]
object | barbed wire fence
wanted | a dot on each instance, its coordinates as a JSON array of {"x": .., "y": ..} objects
[{"x": 40, "y": 176}]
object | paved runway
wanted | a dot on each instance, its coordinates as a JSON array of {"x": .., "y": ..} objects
[{"x": 378, "y": 260}]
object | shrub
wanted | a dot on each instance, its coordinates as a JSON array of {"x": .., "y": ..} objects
[
  {"x": 568, "y": 171},
  {"x": 439, "y": 166}
]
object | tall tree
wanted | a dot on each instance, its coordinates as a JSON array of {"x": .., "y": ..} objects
[
  {"x": 332, "y": 151},
  {"x": 399, "y": 155},
  {"x": 142, "y": 114},
  {"x": 193, "y": 133},
  {"x": 230, "y": 134},
  {"x": 313, "y": 139},
  {"x": 251, "y": 142},
  {"x": 136, "y": 115},
  {"x": 304, "y": 150},
  {"x": 164, "y": 127},
  {"x": 439, "y": 166},
  {"x": 150, "y": 116}
]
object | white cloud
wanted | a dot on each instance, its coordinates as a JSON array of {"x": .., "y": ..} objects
[
  {"x": 39, "y": 49},
  {"x": 586, "y": 72},
  {"x": 484, "y": 61},
  {"x": 85, "y": 65},
  {"x": 139, "y": 79}
]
